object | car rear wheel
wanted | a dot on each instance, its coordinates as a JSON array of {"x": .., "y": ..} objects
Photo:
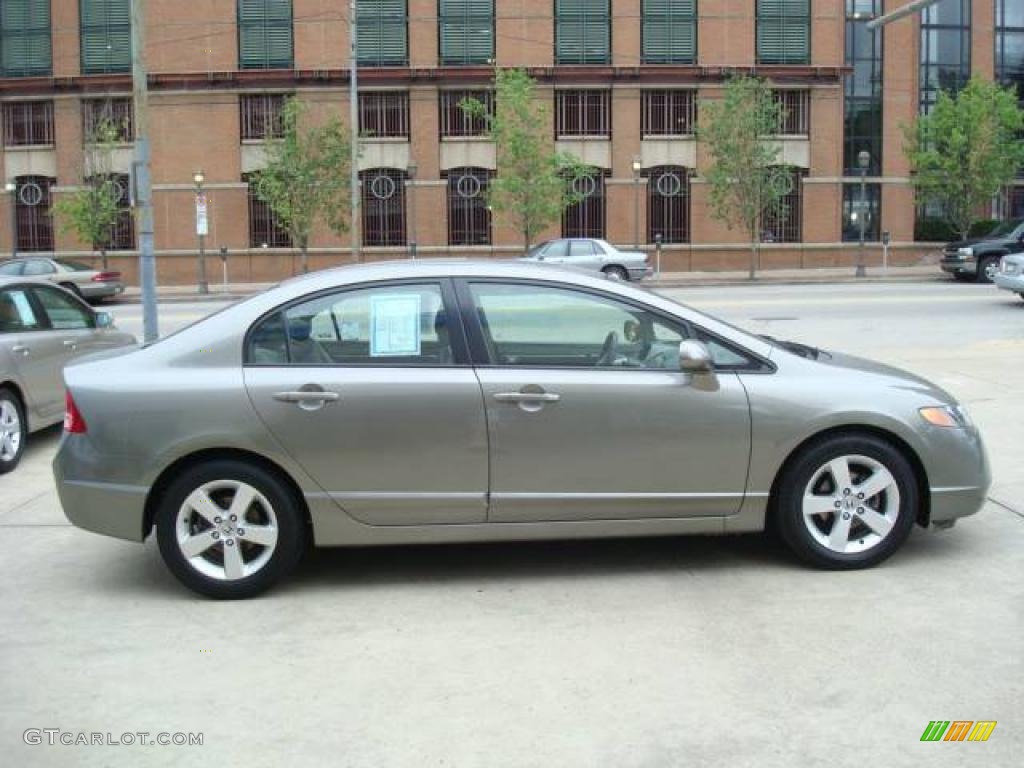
[
  {"x": 847, "y": 502},
  {"x": 230, "y": 530},
  {"x": 13, "y": 430},
  {"x": 987, "y": 269},
  {"x": 615, "y": 272}
]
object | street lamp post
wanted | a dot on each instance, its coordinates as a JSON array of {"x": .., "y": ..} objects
[
  {"x": 11, "y": 188},
  {"x": 411, "y": 171},
  {"x": 637, "y": 167},
  {"x": 863, "y": 161},
  {"x": 201, "y": 227}
]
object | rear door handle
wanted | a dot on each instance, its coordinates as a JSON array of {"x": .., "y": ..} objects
[
  {"x": 19, "y": 349},
  {"x": 300, "y": 396},
  {"x": 70, "y": 343},
  {"x": 527, "y": 397}
]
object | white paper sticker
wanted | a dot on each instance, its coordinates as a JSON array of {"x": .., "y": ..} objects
[{"x": 395, "y": 325}]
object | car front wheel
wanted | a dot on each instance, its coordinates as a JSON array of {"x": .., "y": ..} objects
[
  {"x": 987, "y": 269},
  {"x": 846, "y": 502},
  {"x": 229, "y": 529},
  {"x": 13, "y": 430}
]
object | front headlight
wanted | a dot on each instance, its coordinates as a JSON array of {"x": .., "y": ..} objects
[
  {"x": 968, "y": 251},
  {"x": 946, "y": 416}
]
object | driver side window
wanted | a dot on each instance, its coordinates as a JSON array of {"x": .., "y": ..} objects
[{"x": 537, "y": 326}]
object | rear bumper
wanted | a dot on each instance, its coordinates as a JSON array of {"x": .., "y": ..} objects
[
  {"x": 101, "y": 290},
  {"x": 639, "y": 273},
  {"x": 1007, "y": 282}
]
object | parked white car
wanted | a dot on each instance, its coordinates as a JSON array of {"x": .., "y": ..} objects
[{"x": 592, "y": 254}]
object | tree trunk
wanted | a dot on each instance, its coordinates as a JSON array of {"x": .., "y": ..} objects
[
  {"x": 103, "y": 258},
  {"x": 304, "y": 248},
  {"x": 755, "y": 250}
]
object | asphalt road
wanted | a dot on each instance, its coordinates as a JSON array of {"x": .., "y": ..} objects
[{"x": 649, "y": 653}]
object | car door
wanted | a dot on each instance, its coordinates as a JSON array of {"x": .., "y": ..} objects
[
  {"x": 71, "y": 321},
  {"x": 589, "y": 415},
  {"x": 39, "y": 269},
  {"x": 584, "y": 255},
  {"x": 34, "y": 351},
  {"x": 370, "y": 390}
]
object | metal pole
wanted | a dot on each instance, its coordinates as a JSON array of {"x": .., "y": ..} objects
[
  {"x": 204, "y": 286},
  {"x": 862, "y": 221},
  {"x": 657, "y": 255},
  {"x": 353, "y": 119},
  {"x": 412, "y": 209},
  {"x": 143, "y": 180},
  {"x": 636, "y": 211},
  {"x": 13, "y": 189}
]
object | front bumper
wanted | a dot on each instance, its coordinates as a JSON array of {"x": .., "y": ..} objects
[
  {"x": 958, "y": 472},
  {"x": 1008, "y": 282},
  {"x": 955, "y": 264}
]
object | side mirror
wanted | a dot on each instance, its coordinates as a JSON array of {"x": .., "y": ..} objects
[
  {"x": 695, "y": 357},
  {"x": 104, "y": 320}
]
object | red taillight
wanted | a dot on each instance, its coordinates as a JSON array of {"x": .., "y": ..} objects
[
  {"x": 74, "y": 424},
  {"x": 106, "y": 277}
]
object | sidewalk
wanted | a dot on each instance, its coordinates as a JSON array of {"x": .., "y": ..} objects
[{"x": 927, "y": 272}]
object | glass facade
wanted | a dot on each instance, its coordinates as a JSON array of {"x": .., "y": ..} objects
[
  {"x": 868, "y": 207},
  {"x": 1010, "y": 44},
  {"x": 862, "y": 121},
  {"x": 945, "y": 50}
]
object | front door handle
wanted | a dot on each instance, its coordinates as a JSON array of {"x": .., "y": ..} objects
[
  {"x": 70, "y": 343},
  {"x": 527, "y": 397},
  {"x": 302, "y": 396}
]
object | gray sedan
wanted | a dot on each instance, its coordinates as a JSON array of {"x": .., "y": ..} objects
[
  {"x": 416, "y": 402},
  {"x": 75, "y": 276},
  {"x": 592, "y": 255},
  {"x": 42, "y": 327}
]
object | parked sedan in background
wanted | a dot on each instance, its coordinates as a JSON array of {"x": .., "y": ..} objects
[
  {"x": 1010, "y": 276},
  {"x": 446, "y": 401},
  {"x": 81, "y": 279},
  {"x": 592, "y": 254},
  {"x": 42, "y": 327}
]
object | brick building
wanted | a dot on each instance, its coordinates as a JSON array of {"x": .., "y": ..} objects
[{"x": 623, "y": 78}]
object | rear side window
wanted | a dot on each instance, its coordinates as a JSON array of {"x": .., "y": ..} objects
[
  {"x": 582, "y": 248},
  {"x": 16, "y": 313},
  {"x": 385, "y": 325}
]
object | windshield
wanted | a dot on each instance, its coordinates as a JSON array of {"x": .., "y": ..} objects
[
  {"x": 74, "y": 266},
  {"x": 1006, "y": 228}
]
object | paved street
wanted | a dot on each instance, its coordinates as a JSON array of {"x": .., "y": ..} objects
[{"x": 661, "y": 652}]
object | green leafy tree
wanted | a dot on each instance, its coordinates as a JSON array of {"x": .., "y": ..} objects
[
  {"x": 92, "y": 211},
  {"x": 534, "y": 183},
  {"x": 306, "y": 178},
  {"x": 746, "y": 177},
  {"x": 965, "y": 151}
]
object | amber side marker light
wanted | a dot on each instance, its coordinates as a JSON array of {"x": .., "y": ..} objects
[{"x": 940, "y": 417}]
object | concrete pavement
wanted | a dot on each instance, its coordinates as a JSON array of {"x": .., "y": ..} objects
[{"x": 662, "y": 652}]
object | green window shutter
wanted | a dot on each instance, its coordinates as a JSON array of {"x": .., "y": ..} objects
[
  {"x": 783, "y": 32},
  {"x": 106, "y": 37},
  {"x": 381, "y": 29},
  {"x": 25, "y": 43},
  {"x": 466, "y": 31},
  {"x": 582, "y": 32},
  {"x": 265, "y": 34},
  {"x": 670, "y": 31}
]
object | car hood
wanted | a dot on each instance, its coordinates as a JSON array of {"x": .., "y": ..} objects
[
  {"x": 887, "y": 375},
  {"x": 971, "y": 241}
]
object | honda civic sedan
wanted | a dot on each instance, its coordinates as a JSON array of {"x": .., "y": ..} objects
[{"x": 423, "y": 402}]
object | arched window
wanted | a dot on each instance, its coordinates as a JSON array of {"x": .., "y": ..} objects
[
  {"x": 383, "y": 206},
  {"x": 587, "y": 217},
  {"x": 32, "y": 199},
  {"x": 668, "y": 204},
  {"x": 469, "y": 220}
]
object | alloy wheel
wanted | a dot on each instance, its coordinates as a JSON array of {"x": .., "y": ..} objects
[{"x": 10, "y": 431}]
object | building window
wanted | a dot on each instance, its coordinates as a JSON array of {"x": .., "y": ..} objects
[
  {"x": 382, "y": 27},
  {"x": 945, "y": 50},
  {"x": 668, "y": 204},
  {"x": 783, "y": 31},
  {"x": 587, "y": 217},
  {"x": 867, "y": 209},
  {"x": 260, "y": 116},
  {"x": 583, "y": 32},
  {"x": 383, "y": 206},
  {"x": 34, "y": 224},
  {"x": 116, "y": 113},
  {"x": 265, "y": 231},
  {"x": 465, "y": 31},
  {"x": 469, "y": 219},
  {"x": 785, "y": 223},
  {"x": 384, "y": 114},
  {"x": 456, "y": 122},
  {"x": 265, "y": 34},
  {"x": 795, "y": 112},
  {"x": 668, "y": 113},
  {"x": 106, "y": 36},
  {"x": 862, "y": 122},
  {"x": 669, "y": 31},
  {"x": 583, "y": 113},
  {"x": 25, "y": 41},
  {"x": 1010, "y": 44},
  {"x": 28, "y": 123}
]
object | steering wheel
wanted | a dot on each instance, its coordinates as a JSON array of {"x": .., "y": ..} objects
[{"x": 609, "y": 350}]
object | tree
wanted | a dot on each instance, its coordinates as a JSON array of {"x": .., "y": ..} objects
[
  {"x": 746, "y": 178},
  {"x": 92, "y": 211},
  {"x": 306, "y": 178},
  {"x": 965, "y": 151},
  {"x": 534, "y": 183}
]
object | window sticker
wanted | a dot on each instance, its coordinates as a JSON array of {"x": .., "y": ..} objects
[{"x": 395, "y": 325}]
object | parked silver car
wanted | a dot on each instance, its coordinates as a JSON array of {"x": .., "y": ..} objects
[
  {"x": 75, "y": 276},
  {"x": 447, "y": 401},
  {"x": 42, "y": 327},
  {"x": 1010, "y": 276},
  {"x": 593, "y": 255}
]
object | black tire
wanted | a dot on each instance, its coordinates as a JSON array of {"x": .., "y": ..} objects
[
  {"x": 615, "y": 272},
  {"x": 291, "y": 529},
  {"x": 1021, "y": 295},
  {"x": 73, "y": 288},
  {"x": 986, "y": 268},
  {"x": 788, "y": 514},
  {"x": 8, "y": 399}
]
